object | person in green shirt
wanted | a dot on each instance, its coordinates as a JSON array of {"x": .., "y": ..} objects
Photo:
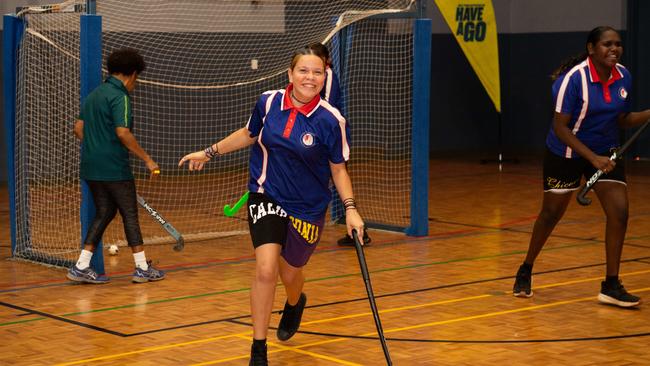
[{"x": 105, "y": 128}]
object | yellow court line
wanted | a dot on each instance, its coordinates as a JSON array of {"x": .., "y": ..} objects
[
  {"x": 150, "y": 349},
  {"x": 233, "y": 358},
  {"x": 318, "y": 355},
  {"x": 450, "y": 301},
  {"x": 442, "y": 322},
  {"x": 486, "y": 315},
  {"x": 283, "y": 349},
  {"x": 158, "y": 348},
  {"x": 408, "y": 307},
  {"x": 334, "y": 340},
  {"x": 585, "y": 280},
  {"x": 444, "y": 302}
]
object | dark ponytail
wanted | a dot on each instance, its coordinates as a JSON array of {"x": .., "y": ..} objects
[{"x": 567, "y": 65}]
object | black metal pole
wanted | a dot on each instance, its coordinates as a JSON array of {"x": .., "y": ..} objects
[
  {"x": 500, "y": 159},
  {"x": 371, "y": 295}
]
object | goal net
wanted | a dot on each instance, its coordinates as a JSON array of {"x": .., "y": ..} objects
[{"x": 207, "y": 62}]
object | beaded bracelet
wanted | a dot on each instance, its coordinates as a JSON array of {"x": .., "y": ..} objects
[
  {"x": 349, "y": 204},
  {"x": 211, "y": 153}
]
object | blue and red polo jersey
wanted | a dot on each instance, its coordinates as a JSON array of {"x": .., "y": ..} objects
[
  {"x": 290, "y": 160},
  {"x": 594, "y": 106}
]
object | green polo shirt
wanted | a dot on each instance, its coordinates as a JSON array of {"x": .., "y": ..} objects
[{"x": 103, "y": 157}]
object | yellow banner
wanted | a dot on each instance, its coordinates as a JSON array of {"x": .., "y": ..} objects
[{"x": 474, "y": 25}]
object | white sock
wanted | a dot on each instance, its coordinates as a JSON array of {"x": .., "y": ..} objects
[
  {"x": 141, "y": 260},
  {"x": 84, "y": 259}
]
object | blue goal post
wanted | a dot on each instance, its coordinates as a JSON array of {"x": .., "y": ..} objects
[{"x": 90, "y": 51}]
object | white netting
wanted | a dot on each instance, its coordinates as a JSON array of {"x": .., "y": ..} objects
[
  {"x": 47, "y": 155},
  {"x": 207, "y": 62},
  {"x": 376, "y": 79}
]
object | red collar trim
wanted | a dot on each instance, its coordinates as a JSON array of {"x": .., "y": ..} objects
[
  {"x": 594, "y": 75},
  {"x": 305, "y": 109}
]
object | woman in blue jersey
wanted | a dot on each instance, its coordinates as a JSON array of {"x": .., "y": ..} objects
[
  {"x": 299, "y": 142},
  {"x": 591, "y": 104}
]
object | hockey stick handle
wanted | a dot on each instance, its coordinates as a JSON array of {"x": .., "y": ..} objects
[
  {"x": 180, "y": 242},
  {"x": 371, "y": 296},
  {"x": 581, "y": 197}
]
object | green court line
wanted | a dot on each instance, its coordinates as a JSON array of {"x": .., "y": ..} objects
[
  {"x": 22, "y": 321},
  {"x": 244, "y": 289}
]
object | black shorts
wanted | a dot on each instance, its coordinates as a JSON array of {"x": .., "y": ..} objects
[
  {"x": 269, "y": 223},
  {"x": 563, "y": 175}
]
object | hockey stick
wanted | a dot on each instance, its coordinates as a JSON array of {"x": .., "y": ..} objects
[
  {"x": 371, "y": 295},
  {"x": 231, "y": 211},
  {"x": 581, "y": 197},
  {"x": 180, "y": 242}
]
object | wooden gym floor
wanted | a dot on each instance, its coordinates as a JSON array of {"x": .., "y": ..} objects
[{"x": 444, "y": 299}]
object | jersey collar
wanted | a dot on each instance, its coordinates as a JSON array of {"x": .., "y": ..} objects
[
  {"x": 306, "y": 109},
  {"x": 593, "y": 74},
  {"x": 117, "y": 83}
]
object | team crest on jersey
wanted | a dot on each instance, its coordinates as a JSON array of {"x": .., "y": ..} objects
[
  {"x": 307, "y": 139},
  {"x": 622, "y": 93}
]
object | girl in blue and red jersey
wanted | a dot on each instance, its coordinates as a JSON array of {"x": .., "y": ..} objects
[
  {"x": 299, "y": 142},
  {"x": 591, "y": 104}
]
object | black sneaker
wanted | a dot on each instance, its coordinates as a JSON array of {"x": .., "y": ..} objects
[
  {"x": 291, "y": 316},
  {"x": 615, "y": 294},
  {"x": 258, "y": 356},
  {"x": 523, "y": 283},
  {"x": 347, "y": 240}
]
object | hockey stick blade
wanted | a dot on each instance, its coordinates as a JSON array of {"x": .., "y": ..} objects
[
  {"x": 231, "y": 211},
  {"x": 171, "y": 230},
  {"x": 582, "y": 195}
]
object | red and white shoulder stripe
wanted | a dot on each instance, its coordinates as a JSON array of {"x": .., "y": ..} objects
[
  {"x": 580, "y": 68},
  {"x": 344, "y": 144},
  {"x": 328, "y": 83},
  {"x": 565, "y": 82},
  {"x": 267, "y": 106}
]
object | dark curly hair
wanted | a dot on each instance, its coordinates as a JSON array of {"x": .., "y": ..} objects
[{"x": 125, "y": 61}]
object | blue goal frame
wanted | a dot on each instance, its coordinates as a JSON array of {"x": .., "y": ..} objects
[{"x": 90, "y": 51}]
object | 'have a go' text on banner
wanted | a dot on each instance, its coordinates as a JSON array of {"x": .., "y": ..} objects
[{"x": 474, "y": 25}]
